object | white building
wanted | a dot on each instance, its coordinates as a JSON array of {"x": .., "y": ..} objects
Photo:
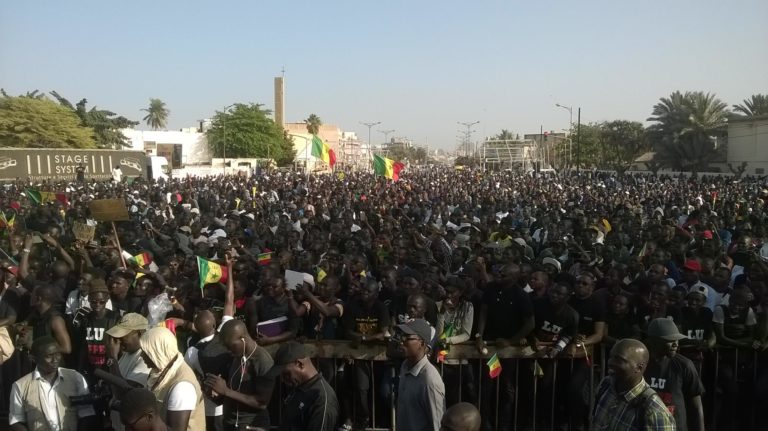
[
  {"x": 748, "y": 143},
  {"x": 183, "y": 148}
]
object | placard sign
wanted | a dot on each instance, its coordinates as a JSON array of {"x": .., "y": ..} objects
[
  {"x": 83, "y": 232},
  {"x": 109, "y": 210}
]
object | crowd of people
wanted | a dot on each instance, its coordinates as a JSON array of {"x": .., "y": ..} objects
[{"x": 200, "y": 311}]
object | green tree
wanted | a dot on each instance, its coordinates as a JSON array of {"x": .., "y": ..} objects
[
  {"x": 157, "y": 114},
  {"x": 587, "y": 146},
  {"x": 313, "y": 124},
  {"x": 505, "y": 135},
  {"x": 106, "y": 124},
  {"x": 247, "y": 131},
  {"x": 622, "y": 142},
  {"x": 684, "y": 130},
  {"x": 32, "y": 122},
  {"x": 754, "y": 106}
]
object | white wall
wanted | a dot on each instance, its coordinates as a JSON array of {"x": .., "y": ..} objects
[
  {"x": 194, "y": 145},
  {"x": 748, "y": 142}
]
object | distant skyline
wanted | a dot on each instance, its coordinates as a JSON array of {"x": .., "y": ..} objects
[{"x": 418, "y": 67}]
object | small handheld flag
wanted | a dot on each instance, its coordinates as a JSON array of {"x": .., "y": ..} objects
[
  {"x": 494, "y": 366},
  {"x": 264, "y": 259},
  {"x": 210, "y": 272}
]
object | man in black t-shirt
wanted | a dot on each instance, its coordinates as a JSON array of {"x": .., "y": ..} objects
[
  {"x": 366, "y": 320},
  {"x": 506, "y": 316},
  {"x": 673, "y": 376},
  {"x": 590, "y": 332},
  {"x": 556, "y": 321},
  {"x": 247, "y": 389}
]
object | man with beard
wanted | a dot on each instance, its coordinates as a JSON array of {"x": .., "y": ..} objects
[
  {"x": 673, "y": 376},
  {"x": 311, "y": 404}
]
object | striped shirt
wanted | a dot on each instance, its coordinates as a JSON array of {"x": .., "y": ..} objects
[{"x": 638, "y": 409}]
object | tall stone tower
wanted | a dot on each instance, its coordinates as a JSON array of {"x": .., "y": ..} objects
[{"x": 280, "y": 101}]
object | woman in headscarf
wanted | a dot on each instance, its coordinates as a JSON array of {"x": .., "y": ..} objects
[{"x": 172, "y": 381}]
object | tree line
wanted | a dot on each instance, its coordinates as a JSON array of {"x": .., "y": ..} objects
[{"x": 684, "y": 135}]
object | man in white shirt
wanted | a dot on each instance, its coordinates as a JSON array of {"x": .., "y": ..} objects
[
  {"x": 41, "y": 399},
  {"x": 117, "y": 174},
  {"x": 131, "y": 367}
]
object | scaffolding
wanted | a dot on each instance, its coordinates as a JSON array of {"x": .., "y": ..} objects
[{"x": 516, "y": 154}]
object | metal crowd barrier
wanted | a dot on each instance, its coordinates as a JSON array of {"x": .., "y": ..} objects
[{"x": 519, "y": 359}]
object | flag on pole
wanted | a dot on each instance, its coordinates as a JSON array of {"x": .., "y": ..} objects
[
  {"x": 323, "y": 151},
  {"x": 387, "y": 167},
  {"x": 494, "y": 366},
  {"x": 142, "y": 259},
  {"x": 210, "y": 272}
]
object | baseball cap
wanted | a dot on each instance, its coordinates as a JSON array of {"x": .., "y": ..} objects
[
  {"x": 700, "y": 289},
  {"x": 418, "y": 327},
  {"x": 692, "y": 265},
  {"x": 288, "y": 353},
  {"x": 665, "y": 329},
  {"x": 129, "y": 323}
]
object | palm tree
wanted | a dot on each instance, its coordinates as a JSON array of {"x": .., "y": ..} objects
[
  {"x": 754, "y": 106},
  {"x": 685, "y": 126},
  {"x": 157, "y": 114},
  {"x": 313, "y": 124}
]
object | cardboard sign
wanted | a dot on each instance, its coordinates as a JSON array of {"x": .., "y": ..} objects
[
  {"x": 109, "y": 210},
  {"x": 83, "y": 232}
]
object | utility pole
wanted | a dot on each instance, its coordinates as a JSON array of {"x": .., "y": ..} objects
[
  {"x": 468, "y": 135},
  {"x": 578, "y": 143},
  {"x": 570, "y": 129},
  {"x": 369, "y": 125},
  {"x": 386, "y": 134}
]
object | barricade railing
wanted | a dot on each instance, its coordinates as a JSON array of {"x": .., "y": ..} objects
[
  {"x": 541, "y": 390},
  {"x": 463, "y": 362}
]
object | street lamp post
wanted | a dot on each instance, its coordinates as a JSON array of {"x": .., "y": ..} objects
[
  {"x": 224, "y": 131},
  {"x": 306, "y": 153},
  {"x": 570, "y": 130},
  {"x": 369, "y": 125},
  {"x": 469, "y": 134},
  {"x": 386, "y": 134}
]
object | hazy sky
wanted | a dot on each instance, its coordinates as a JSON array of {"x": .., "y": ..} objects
[{"x": 419, "y": 67}]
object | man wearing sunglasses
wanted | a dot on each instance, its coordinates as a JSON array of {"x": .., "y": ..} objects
[
  {"x": 93, "y": 338},
  {"x": 421, "y": 392}
]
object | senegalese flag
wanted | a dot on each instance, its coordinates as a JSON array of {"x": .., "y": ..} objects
[
  {"x": 210, "y": 272},
  {"x": 387, "y": 167},
  {"x": 443, "y": 353},
  {"x": 40, "y": 198},
  {"x": 142, "y": 259},
  {"x": 323, "y": 151},
  {"x": 494, "y": 366},
  {"x": 264, "y": 259}
]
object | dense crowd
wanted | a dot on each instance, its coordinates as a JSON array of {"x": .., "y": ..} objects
[{"x": 554, "y": 268}]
